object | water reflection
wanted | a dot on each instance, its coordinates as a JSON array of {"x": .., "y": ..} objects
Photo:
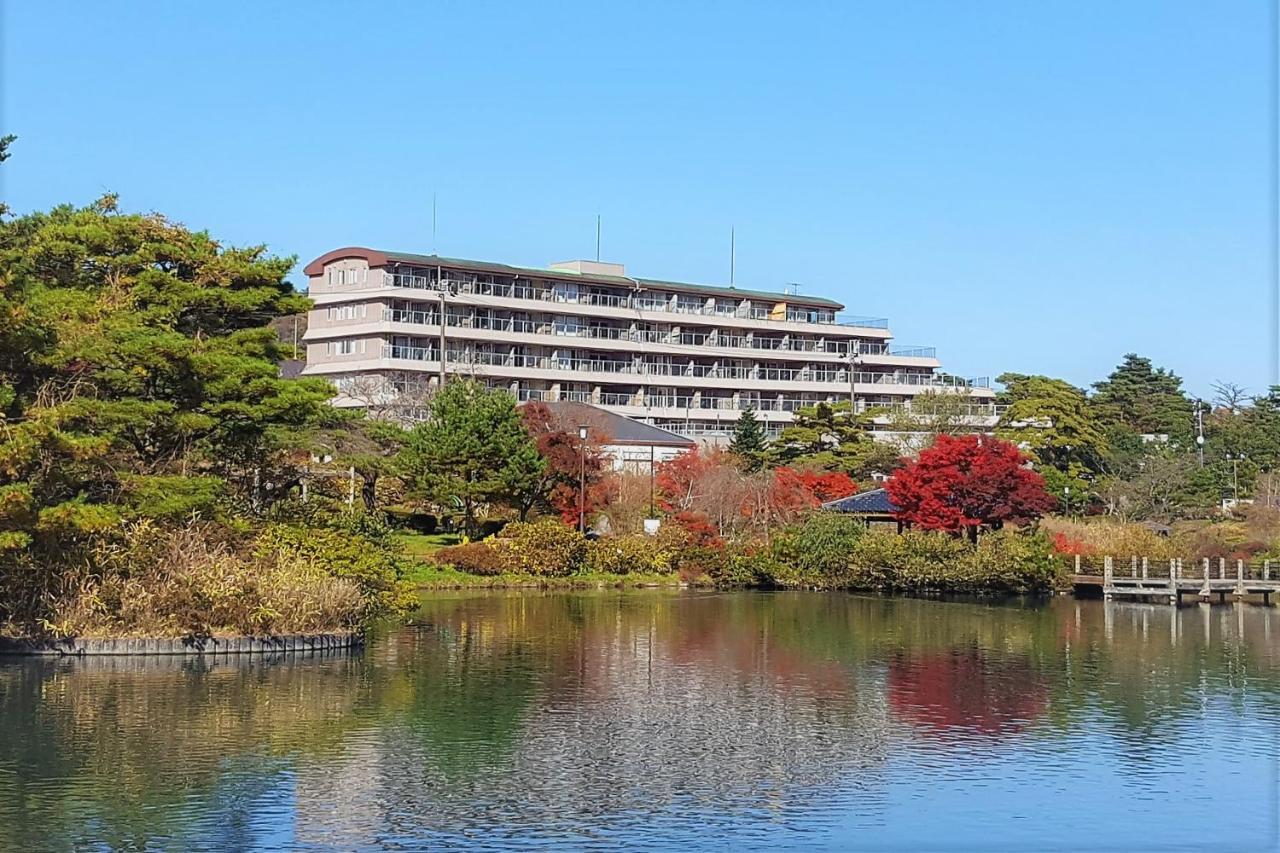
[{"x": 661, "y": 719}]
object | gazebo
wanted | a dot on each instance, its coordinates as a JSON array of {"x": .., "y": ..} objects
[{"x": 873, "y": 507}]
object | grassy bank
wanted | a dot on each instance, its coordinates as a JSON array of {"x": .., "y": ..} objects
[
  {"x": 431, "y": 576},
  {"x": 420, "y": 546}
]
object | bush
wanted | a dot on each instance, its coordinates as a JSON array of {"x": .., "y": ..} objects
[
  {"x": 914, "y": 560},
  {"x": 474, "y": 558},
  {"x": 363, "y": 553},
  {"x": 634, "y": 552},
  {"x": 144, "y": 579},
  {"x": 819, "y": 549},
  {"x": 1013, "y": 561},
  {"x": 1005, "y": 561},
  {"x": 543, "y": 547},
  {"x": 756, "y": 568}
]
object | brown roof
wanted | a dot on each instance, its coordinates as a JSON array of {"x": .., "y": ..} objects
[
  {"x": 615, "y": 428},
  {"x": 378, "y": 258}
]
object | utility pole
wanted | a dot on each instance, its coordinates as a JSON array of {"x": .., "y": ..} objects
[{"x": 444, "y": 323}]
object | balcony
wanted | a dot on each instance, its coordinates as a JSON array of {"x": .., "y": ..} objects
[
  {"x": 641, "y": 301},
  {"x": 684, "y": 369},
  {"x": 755, "y": 343}
]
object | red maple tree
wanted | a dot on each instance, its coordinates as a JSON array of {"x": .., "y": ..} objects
[
  {"x": 567, "y": 460},
  {"x": 827, "y": 485},
  {"x": 963, "y": 483}
]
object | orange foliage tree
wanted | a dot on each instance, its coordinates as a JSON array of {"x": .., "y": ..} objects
[{"x": 706, "y": 492}]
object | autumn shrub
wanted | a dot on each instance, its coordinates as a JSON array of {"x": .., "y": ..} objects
[
  {"x": 1102, "y": 536},
  {"x": 1012, "y": 561},
  {"x": 361, "y": 552},
  {"x": 630, "y": 553},
  {"x": 201, "y": 579},
  {"x": 474, "y": 558},
  {"x": 543, "y": 547},
  {"x": 698, "y": 529},
  {"x": 1218, "y": 541},
  {"x": 700, "y": 563}
]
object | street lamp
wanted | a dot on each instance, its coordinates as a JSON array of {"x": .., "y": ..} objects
[
  {"x": 1200, "y": 431},
  {"x": 582, "y": 479},
  {"x": 1235, "y": 476},
  {"x": 855, "y": 361},
  {"x": 1066, "y": 498}
]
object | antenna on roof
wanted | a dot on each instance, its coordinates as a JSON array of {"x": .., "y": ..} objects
[
  {"x": 733, "y": 254},
  {"x": 433, "y": 222},
  {"x": 597, "y": 238},
  {"x": 792, "y": 288}
]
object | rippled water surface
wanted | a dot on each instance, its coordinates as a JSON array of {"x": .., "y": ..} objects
[{"x": 668, "y": 720}]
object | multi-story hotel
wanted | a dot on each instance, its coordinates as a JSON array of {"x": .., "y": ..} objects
[{"x": 687, "y": 357}]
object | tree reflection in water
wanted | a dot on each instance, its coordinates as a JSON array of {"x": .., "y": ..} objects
[{"x": 598, "y": 715}]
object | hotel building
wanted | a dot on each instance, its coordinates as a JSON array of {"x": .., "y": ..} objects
[{"x": 686, "y": 357}]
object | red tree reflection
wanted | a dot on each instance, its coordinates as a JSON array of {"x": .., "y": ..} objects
[{"x": 964, "y": 689}]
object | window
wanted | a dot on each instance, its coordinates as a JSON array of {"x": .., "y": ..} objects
[
  {"x": 347, "y": 278},
  {"x": 348, "y": 312},
  {"x": 346, "y": 347}
]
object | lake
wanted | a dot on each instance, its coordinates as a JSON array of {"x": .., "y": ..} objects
[{"x": 670, "y": 720}]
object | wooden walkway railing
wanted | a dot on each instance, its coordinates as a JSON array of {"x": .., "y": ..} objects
[{"x": 1171, "y": 579}]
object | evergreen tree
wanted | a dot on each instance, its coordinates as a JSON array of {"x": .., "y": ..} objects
[
  {"x": 749, "y": 443},
  {"x": 138, "y": 375},
  {"x": 1147, "y": 400},
  {"x": 827, "y": 436},
  {"x": 1055, "y": 422},
  {"x": 472, "y": 450}
]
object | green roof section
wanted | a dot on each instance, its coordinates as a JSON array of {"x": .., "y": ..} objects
[{"x": 618, "y": 281}]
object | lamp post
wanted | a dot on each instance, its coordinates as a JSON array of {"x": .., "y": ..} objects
[
  {"x": 582, "y": 479},
  {"x": 1066, "y": 498},
  {"x": 1235, "y": 477},
  {"x": 652, "y": 475},
  {"x": 855, "y": 361},
  {"x": 1200, "y": 431}
]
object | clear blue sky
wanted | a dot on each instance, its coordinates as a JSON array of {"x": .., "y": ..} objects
[{"x": 1029, "y": 186}]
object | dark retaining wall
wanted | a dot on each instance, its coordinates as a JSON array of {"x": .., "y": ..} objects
[{"x": 182, "y": 646}]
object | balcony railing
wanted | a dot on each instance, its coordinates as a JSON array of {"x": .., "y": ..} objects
[
  {"x": 463, "y": 320},
  {"x": 686, "y": 369},
  {"x": 634, "y": 301},
  {"x": 692, "y": 403}
]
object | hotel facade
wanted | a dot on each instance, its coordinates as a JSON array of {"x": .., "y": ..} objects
[{"x": 686, "y": 357}]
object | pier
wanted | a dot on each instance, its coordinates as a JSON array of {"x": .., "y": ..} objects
[{"x": 1169, "y": 580}]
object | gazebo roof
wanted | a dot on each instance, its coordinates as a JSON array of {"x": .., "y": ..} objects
[{"x": 873, "y": 502}]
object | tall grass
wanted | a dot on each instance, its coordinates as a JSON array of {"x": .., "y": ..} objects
[{"x": 195, "y": 580}]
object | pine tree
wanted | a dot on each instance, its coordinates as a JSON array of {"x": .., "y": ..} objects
[
  {"x": 473, "y": 449},
  {"x": 749, "y": 442},
  {"x": 1146, "y": 399},
  {"x": 138, "y": 374}
]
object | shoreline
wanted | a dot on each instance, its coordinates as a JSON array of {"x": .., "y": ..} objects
[{"x": 179, "y": 646}]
